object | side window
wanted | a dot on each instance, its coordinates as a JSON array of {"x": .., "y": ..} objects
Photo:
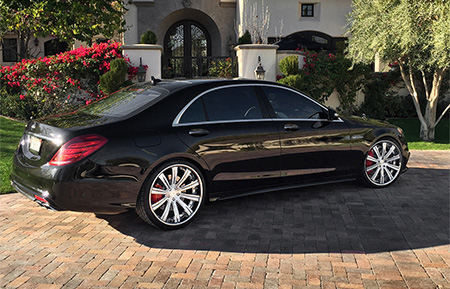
[
  {"x": 232, "y": 103},
  {"x": 288, "y": 104},
  {"x": 194, "y": 113}
]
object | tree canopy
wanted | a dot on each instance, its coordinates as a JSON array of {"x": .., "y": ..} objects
[
  {"x": 417, "y": 29},
  {"x": 66, "y": 20},
  {"x": 413, "y": 33}
]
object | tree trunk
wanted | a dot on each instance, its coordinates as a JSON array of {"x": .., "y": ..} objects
[
  {"x": 24, "y": 38},
  {"x": 428, "y": 120},
  {"x": 427, "y": 132},
  {"x": 431, "y": 108}
]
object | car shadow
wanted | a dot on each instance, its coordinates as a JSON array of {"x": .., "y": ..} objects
[{"x": 412, "y": 213}]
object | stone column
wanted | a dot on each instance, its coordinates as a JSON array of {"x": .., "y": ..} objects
[
  {"x": 150, "y": 54},
  {"x": 247, "y": 55}
]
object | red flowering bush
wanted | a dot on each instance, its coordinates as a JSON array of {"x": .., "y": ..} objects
[
  {"x": 323, "y": 73},
  {"x": 56, "y": 83}
]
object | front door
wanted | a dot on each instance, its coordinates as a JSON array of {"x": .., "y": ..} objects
[
  {"x": 313, "y": 148},
  {"x": 185, "y": 45}
]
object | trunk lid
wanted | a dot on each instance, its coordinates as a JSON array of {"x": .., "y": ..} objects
[{"x": 42, "y": 138}]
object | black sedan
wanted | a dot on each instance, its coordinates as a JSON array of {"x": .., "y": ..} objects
[{"x": 166, "y": 149}]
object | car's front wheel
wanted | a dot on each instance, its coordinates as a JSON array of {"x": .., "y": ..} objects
[
  {"x": 172, "y": 195},
  {"x": 382, "y": 164}
]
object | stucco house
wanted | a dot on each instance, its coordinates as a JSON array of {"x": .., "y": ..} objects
[{"x": 195, "y": 32}]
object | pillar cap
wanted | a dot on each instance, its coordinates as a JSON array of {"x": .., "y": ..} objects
[
  {"x": 142, "y": 47},
  {"x": 256, "y": 46}
]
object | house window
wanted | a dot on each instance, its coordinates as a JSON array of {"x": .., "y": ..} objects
[
  {"x": 307, "y": 10},
  {"x": 9, "y": 50},
  {"x": 54, "y": 46}
]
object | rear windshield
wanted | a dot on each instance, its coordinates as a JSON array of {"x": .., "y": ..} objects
[{"x": 130, "y": 100}]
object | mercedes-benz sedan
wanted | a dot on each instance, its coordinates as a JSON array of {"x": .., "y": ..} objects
[{"x": 166, "y": 149}]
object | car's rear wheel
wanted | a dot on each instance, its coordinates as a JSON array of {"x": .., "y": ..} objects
[
  {"x": 383, "y": 163},
  {"x": 172, "y": 195}
]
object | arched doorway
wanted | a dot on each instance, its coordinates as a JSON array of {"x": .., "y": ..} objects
[{"x": 186, "y": 46}]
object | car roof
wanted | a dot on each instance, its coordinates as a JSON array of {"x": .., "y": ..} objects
[{"x": 173, "y": 85}]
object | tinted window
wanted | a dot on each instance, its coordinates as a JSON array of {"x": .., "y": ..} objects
[
  {"x": 288, "y": 104},
  {"x": 194, "y": 113},
  {"x": 124, "y": 102},
  {"x": 232, "y": 103}
]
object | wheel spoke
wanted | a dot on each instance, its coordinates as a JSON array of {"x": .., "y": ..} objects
[
  {"x": 377, "y": 151},
  {"x": 166, "y": 211},
  {"x": 190, "y": 197},
  {"x": 394, "y": 167},
  {"x": 186, "y": 174},
  {"x": 388, "y": 173},
  {"x": 174, "y": 175},
  {"x": 375, "y": 175},
  {"x": 390, "y": 152},
  {"x": 394, "y": 158},
  {"x": 372, "y": 159},
  {"x": 161, "y": 202},
  {"x": 163, "y": 179},
  {"x": 371, "y": 168},
  {"x": 157, "y": 191},
  {"x": 176, "y": 214},
  {"x": 382, "y": 177},
  {"x": 190, "y": 186},
  {"x": 185, "y": 207},
  {"x": 384, "y": 150}
]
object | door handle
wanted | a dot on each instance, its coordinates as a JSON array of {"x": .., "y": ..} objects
[
  {"x": 198, "y": 132},
  {"x": 291, "y": 127}
]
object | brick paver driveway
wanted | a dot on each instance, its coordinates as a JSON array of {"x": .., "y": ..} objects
[{"x": 334, "y": 236}]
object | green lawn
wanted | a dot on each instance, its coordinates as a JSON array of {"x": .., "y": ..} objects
[
  {"x": 10, "y": 134},
  {"x": 411, "y": 128}
]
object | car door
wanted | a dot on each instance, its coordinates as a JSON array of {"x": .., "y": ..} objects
[
  {"x": 230, "y": 128},
  {"x": 313, "y": 148}
]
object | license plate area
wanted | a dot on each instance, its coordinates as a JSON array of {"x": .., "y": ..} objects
[{"x": 35, "y": 145}]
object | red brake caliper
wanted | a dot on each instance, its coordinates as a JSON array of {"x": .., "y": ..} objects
[
  {"x": 369, "y": 163},
  {"x": 156, "y": 197}
]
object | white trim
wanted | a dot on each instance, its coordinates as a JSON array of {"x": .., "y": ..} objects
[{"x": 176, "y": 121}]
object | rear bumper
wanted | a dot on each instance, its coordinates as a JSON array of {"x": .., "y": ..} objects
[
  {"x": 38, "y": 197},
  {"x": 64, "y": 189}
]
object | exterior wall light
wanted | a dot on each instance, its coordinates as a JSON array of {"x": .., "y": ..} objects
[
  {"x": 259, "y": 71},
  {"x": 141, "y": 73},
  {"x": 36, "y": 42}
]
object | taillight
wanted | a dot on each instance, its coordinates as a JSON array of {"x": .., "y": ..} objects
[{"x": 77, "y": 148}]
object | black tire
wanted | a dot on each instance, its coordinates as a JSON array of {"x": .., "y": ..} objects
[
  {"x": 382, "y": 163},
  {"x": 172, "y": 203}
]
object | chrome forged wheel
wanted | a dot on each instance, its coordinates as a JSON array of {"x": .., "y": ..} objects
[
  {"x": 383, "y": 163},
  {"x": 172, "y": 197}
]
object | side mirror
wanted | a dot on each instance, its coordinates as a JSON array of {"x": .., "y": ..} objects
[{"x": 332, "y": 114}]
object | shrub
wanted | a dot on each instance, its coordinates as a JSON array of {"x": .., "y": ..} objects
[
  {"x": 289, "y": 65},
  {"x": 294, "y": 81},
  {"x": 381, "y": 102},
  {"x": 14, "y": 104},
  {"x": 222, "y": 68},
  {"x": 113, "y": 79},
  {"x": 246, "y": 38},
  {"x": 148, "y": 37}
]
